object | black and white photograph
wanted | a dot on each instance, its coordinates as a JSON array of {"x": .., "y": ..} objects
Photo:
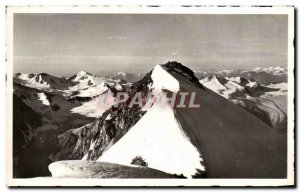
[{"x": 155, "y": 96}]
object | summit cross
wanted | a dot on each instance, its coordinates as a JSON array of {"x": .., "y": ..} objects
[{"x": 174, "y": 56}]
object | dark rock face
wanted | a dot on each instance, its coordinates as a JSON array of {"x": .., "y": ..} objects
[
  {"x": 25, "y": 121},
  {"x": 55, "y": 107},
  {"x": 33, "y": 143},
  {"x": 104, "y": 133}
]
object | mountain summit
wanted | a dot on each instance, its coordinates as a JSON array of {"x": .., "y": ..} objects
[{"x": 217, "y": 140}]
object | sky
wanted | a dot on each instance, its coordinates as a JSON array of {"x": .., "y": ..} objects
[{"x": 63, "y": 44}]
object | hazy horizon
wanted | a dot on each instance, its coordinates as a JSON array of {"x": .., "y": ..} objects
[{"x": 63, "y": 44}]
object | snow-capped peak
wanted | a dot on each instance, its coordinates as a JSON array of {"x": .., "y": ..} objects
[
  {"x": 81, "y": 76},
  {"x": 224, "y": 72},
  {"x": 273, "y": 70},
  {"x": 32, "y": 80},
  {"x": 121, "y": 73},
  {"x": 257, "y": 69},
  {"x": 24, "y": 76},
  {"x": 163, "y": 80},
  {"x": 82, "y": 73}
]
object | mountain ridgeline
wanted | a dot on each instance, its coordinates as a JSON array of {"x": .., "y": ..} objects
[{"x": 239, "y": 130}]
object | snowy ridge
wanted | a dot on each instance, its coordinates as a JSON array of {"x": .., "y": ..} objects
[
  {"x": 163, "y": 145},
  {"x": 33, "y": 81},
  {"x": 129, "y": 77},
  {"x": 223, "y": 86},
  {"x": 163, "y": 80},
  {"x": 273, "y": 70},
  {"x": 97, "y": 106}
]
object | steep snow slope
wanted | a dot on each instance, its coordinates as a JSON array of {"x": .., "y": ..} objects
[
  {"x": 42, "y": 97},
  {"x": 227, "y": 139},
  {"x": 163, "y": 145},
  {"x": 92, "y": 90},
  {"x": 163, "y": 80},
  {"x": 233, "y": 142},
  {"x": 97, "y": 105}
]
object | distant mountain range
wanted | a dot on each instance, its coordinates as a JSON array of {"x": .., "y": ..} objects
[
  {"x": 260, "y": 75},
  {"x": 239, "y": 131},
  {"x": 129, "y": 77},
  {"x": 262, "y": 101}
]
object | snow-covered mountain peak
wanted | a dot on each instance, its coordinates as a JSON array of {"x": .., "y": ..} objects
[
  {"x": 82, "y": 73},
  {"x": 163, "y": 80},
  {"x": 80, "y": 76},
  {"x": 272, "y": 70},
  {"x": 257, "y": 69},
  {"x": 32, "y": 80},
  {"x": 121, "y": 73},
  {"x": 23, "y": 76}
]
